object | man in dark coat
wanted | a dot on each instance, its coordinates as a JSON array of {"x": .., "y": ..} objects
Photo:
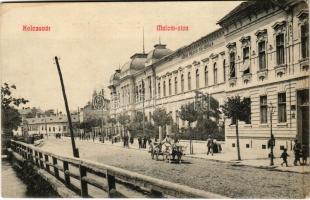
[
  {"x": 297, "y": 152},
  {"x": 144, "y": 142}
]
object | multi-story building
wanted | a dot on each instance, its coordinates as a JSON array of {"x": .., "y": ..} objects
[
  {"x": 50, "y": 125},
  {"x": 261, "y": 52}
]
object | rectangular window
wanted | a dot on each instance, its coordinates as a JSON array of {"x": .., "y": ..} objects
[
  {"x": 246, "y": 60},
  {"x": 280, "y": 49},
  {"x": 248, "y": 120},
  {"x": 137, "y": 94},
  {"x": 282, "y": 107},
  {"x": 197, "y": 79},
  {"x": 305, "y": 41},
  {"x": 159, "y": 90},
  {"x": 182, "y": 83},
  {"x": 176, "y": 85},
  {"x": 263, "y": 109},
  {"x": 206, "y": 77},
  {"x": 215, "y": 74},
  {"x": 263, "y": 146},
  {"x": 189, "y": 83},
  {"x": 232, "y": 65},
  {"x": 164, "y": 88},
  {"x": 262, "y": 55},
  {"x": 150, "y": 86},
  {"x": 169, "y": 87}
]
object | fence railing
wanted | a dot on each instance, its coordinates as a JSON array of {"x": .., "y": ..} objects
[{"x": 101, "y": 176}]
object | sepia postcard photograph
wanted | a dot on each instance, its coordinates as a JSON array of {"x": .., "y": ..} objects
[{"x": 155, "y": 99}]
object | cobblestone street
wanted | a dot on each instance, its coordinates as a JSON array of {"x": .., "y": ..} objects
[{"x": 219, "y": 177}]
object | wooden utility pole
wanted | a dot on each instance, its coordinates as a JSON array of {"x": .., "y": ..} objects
[{"x": 75, "y": 150}]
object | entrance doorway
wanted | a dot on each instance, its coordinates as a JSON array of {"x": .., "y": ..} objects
[{"x": 303, "y": 117}]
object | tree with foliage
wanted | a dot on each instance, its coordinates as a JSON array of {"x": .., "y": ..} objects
[
  {"x": 10, "y": 117},
  {"x": 161, "y": 118},
  {"x": 190, "y": 114},
  {"x": 237, "y": 109},
  {"x": 208, "y": 118},
  {"x": 124, "y": 120},
  {"x": 136, "y": 124},
  {"x": 33, "y": 113},
  {"x": 112, "y": 121},
  {"x": 49, "y": 112}
]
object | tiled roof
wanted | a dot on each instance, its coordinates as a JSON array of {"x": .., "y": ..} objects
[{"x": 52, "y": 119}]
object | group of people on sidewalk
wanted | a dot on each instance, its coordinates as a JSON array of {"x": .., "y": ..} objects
[
  {"x": 212, "y": 146},
  {"x": 142, "y": 141},
  {"x": 300, "y": 151}
]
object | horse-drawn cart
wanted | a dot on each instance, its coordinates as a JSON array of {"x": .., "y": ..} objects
[{"x": 169, "y": 152}]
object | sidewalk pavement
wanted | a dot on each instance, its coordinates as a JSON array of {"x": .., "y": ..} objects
[{"x": 248, "y": 158}]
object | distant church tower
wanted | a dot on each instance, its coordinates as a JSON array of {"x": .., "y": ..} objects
[{"x": 93, "y": 97}]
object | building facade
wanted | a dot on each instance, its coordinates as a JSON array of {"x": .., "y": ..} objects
[
  {"x": 89, "y": 112},
  {"x": 261, "y": 52},
  {"x": 49, "y": 125}
]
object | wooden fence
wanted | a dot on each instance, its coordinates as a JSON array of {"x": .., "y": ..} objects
[{"x": 108, "y": 175}]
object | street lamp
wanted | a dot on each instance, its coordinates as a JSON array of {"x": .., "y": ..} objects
[{"x": 271, "y": 142}]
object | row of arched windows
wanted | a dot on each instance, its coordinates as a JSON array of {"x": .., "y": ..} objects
[{"x": 189, "y": 80}]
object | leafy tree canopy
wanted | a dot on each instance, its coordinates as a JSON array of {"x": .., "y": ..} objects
[
  {"x": 111, "y": 120},
  {"x": 10, "y": 119},
  {"x": 33, "y": 113},
  {"x": 189, "y": 112},
  {"x": 123, "y": 119},
  {"x": 161, "y": 117},
  {"x": 237, "y": 108}
]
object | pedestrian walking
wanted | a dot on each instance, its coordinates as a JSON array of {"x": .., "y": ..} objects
[
  {"x": 131, "y": 140},
  {"x": 210, "y": 145},
  {"x": 297, "y": 152},
  {"x": 284, "y": 156},
  {"x": 304, "y": 154},
  {"x": 144, "y": 142}
]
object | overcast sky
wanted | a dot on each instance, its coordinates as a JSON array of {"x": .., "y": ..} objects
[{"x": 92, "y": 40}]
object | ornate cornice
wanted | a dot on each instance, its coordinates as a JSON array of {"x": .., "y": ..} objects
[
  {"x": 231, "y": 45},
  {"x": 260, "y": 33},
  {"x": 188, "y": 66},
  {"x": 195, "y": 63},
  {"x": 213, "y": 56},
  {"x": 303, "y": 14},
  {"x": 245, "y": 39},
  {"x": 279, "y": 25},
  {"x": 205, "y": 60}
]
